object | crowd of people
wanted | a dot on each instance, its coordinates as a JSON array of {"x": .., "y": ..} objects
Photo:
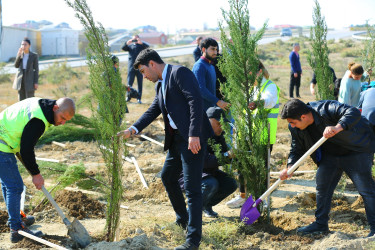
[{"x": 193, "y": 108}]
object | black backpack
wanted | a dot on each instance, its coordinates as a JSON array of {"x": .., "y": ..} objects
[{"x": 336, "y": 90}]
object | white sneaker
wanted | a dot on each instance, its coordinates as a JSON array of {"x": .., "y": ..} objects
[{"x": 236, "y": 202}]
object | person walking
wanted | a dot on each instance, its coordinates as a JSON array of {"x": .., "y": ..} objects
[
  {"x": 296, "y": 71},
  {"x": 27, "y": 63},
  {"x": 187, "y": 129},
  {"x": 351, "y": 140},
  {"x": 134, "y": 46},
  {"x": 21, "y": 126}
]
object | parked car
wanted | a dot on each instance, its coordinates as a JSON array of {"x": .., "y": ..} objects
[{"x": 286, "y": 32}]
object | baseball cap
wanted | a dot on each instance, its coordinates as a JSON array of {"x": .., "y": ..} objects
[{"x": 216, "y": 113}]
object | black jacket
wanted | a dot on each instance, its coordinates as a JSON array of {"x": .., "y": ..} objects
[
  {"x": 357, "y": 136},
  {"x": 183, "y": 103},
  {"x": 134, "y": 49}
]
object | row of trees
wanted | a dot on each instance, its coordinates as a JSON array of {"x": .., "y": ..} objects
[{"x": 239, "y": 65}]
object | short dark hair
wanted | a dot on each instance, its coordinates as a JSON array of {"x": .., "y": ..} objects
[
  {"x": 115, "y": 59},
  {"x": 146, "y": 56},
  {"x": 294, "y": 109},
  {"x": 206, "y": 43},
  {"x": 26, "y": 39}
]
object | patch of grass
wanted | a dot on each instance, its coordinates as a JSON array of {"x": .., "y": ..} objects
[
  {"x": 67, "y": 133},
  {"x": 220, "y": 234},
  {"x": 4, "y": 77}
]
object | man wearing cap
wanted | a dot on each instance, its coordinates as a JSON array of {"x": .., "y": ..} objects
[
  {"x": 21, "y": 126},
  {"x": 216, "y": 184}
]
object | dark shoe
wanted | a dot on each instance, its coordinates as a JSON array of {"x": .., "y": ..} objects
[
  {"x": 16, "y": 237},
  {"x": 313, "y": 228},
  {"x": 186, "y": 245},
  {"x": 28, "y": 220},
  {"x": 208, "y": 212},
  {"x": 128, "y": 99},
  {"x": 372, "y": 233},
  {"x": 139, "y": 101},
  {"x": 298, "y": 96}
]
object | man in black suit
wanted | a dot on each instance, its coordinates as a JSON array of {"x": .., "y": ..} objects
[{"x": 187, "y": 129}]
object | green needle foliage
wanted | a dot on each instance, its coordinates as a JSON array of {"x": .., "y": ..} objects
[
  {"x": 240, "y": 67},
  {"x": 108, "y": 108},
  {"x": 318, "y": 57},
  {"x": 368, "y": 54}
]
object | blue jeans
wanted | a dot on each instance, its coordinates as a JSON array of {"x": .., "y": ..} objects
[
  {"x": 216, "y": 188},
  {"x": 132, "y": 73},
  {"x": 12, "y": 187},
  {"x": 178, "y": 159},
  {"x": 358, "y": 167}
]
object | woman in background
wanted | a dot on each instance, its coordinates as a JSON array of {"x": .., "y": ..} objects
[{"x": 350, "y": 88}]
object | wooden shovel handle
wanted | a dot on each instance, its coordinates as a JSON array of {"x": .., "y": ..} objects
[
  {"x": 294, "y": 167},
  {"x": 54, "y": 204}
]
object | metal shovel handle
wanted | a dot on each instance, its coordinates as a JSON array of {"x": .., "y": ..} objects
[
  {"x": 294, "y": 167},
  {"x": 54, "y": 204}
]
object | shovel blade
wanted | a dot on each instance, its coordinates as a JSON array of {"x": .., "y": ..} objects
[
  {"x": 249, "y": 213},
  {"x": 79, "y": 234}
]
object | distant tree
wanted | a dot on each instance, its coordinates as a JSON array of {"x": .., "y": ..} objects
[
  {"x": 239, "y": 65},
  {"x": 368, "y": 53},
  {"x": 318, "y": 57},
  {"x": 108, "y": 108}
]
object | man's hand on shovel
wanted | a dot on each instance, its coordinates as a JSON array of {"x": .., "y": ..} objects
[
  {"x": 284, "y": 174},
  {"x": 38, "y": 181},
  {"x": 331, "y": 131}
]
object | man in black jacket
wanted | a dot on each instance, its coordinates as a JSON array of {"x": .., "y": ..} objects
[
  {"x": 350, "y": 148},
  {"x": 134, "y": 46},
  {"x": 187, "y": 129}
]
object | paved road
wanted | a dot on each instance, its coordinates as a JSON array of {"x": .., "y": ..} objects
[{"x": 174, "y": 51}]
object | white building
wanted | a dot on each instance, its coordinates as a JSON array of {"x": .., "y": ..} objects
[
  {"x": 11, "y": 38},
  {"x": 59, "y": 41}
]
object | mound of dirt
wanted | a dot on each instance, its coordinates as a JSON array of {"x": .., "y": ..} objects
[
  {"x": 137, "y": 243},
  {"x": 306, "y": 200},
  {"x": 80, "y": 205},
  {"x": 339, "y": 241},
  {"x": 156, "y": 190}
]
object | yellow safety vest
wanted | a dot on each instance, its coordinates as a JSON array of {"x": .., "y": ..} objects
[
  {"x": 272, "y": 114},
  {"x": 14, "y": 119}
]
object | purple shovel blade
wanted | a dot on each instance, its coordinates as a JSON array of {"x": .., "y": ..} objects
[{"x": 250, "y": 214}]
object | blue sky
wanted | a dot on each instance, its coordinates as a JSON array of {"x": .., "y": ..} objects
[{"x": 171, "y": 15}]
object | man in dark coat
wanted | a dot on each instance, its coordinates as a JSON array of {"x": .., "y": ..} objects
[
  {"x": 26, "y": 80},
  {"x": 134, "y": 46},
  {"x": 187, "y": 129},
  {"x": 350, "y": 149}
]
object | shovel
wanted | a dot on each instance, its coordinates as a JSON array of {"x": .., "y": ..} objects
[
  {"x": 76, "y": 230},
  {"x": 249, "y": 212}
]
